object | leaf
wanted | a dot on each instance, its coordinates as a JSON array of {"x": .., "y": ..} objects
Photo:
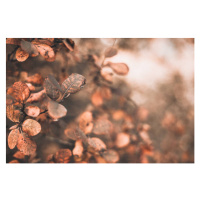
[
  {"x": 110, "y": 52},
  {"x": 119, "y": 68},
  {"x": 46, "y": 52},
  {"x": 75, "y": 134},
  {"x": 96, "y": 144},
  {"x": 32, "y": 111},
  {"x": 73, "y": 83},
  {"x": 19, "y": 91},
  {"x": 122, "y": 140},
  {"x": 69, "y": 43},
  {"x": 85, "y": 122},
  {"x": 52, "y": 88},
  {"x": 14, "y": 161},
  {"x": 78, "y": 149},
  {"x": 9, "y": 99},
  {"x": 63, "y": 156},
  {"x": 26, "y": 145},
  {"x": 13, "y": 127},
  {"x": 13, "y": 114},
  {"x": 13, "y": 138},
  {"x": 111, "y": 156},
  {"x": 35, "y": 79},
  {"x": 97, "y": 98},
  {"x": 31, "y": 127},
  {"x": 56, "y": 110},
  {"x": 29, "y": 48},
  {"x": 21, "y": 55},
  {"x": 102, "y": 127},
  {"x": 18, "y": 155},
  {"x": 107, "y": 73}
]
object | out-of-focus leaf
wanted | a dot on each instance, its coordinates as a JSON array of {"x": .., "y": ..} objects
[
  {"x": 56, "y": 110},
  {"x": 52, "y": 88},
  {"x": 18, "y": 155},
  {"x": 32, "y": 111},
  {"x": 119, "y": 68},
  {"x": 78, "y": 149},
  {"x": 75, "y": 134},
  {"x": 73, "y": 83},
  {"x": 85, "y": 122},
  {"x": 26, "y": 145},
  {"x": 63, "y": 156},
  {"x": 31, "y": 127},
  {"x": 13, "y": 138},
  {"x": 96, "y": 144},
  {"x": 21, "y": 55},
  {"x": 110, "y": 52},
  {"x": 29, "y": 48},
  {"x": 69, "y": 43},
  {"x": 102, "y": 127},
  {"x": 14, "y": 41},
  {"x": 122, "y": 140},
  {"x": 97, "y": 98},
  {"x": 13, "y": 114},
  {"x": 35, "y": 79},
  {"x": 111, "y": 156},
  {"x": 107, "y": 73}
]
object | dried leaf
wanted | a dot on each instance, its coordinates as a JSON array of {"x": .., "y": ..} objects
[
  {"x": 35, "y": 79},
  {"x": 13, "y": 114},
  {"x": 19, "y": 91},
  {"x": 102, "y": 127},
  {"x": 119, "y": 68},
  {"x": 73, "y": 83},
  {"x": 96, "y": 144},
  {"x": 56, "y": 110},
  {"x": 97, "y": 98},
  {"x": 111, "y": 156},
  {"x": 75, "y": 134},
  {"x": 78, "y": 149},
  {"x": 29, "y": 48},
  {"x": 110, "y": 52},
  {"x": 13, "y": 138},
  {"x": 36, "y": 96},
  {"x": 31, "y": 127},
  {"x": 46, "y": 51},
  {"x": 63, "y": 156},
  {"x": 26, "y": 145},
  {"x": 53, "y": 88},
  {"x": 21, "y": 55},
  {"x": 13, "y": 127},
  {"x": 19, "y": 155},
  {"x": 32, "y": 111},
  {"x": 85, "y": 122},
  {"x": 122, "y": 140},
  {"x": 9, "y": 99},
  {"x": 14, "y": 161}
]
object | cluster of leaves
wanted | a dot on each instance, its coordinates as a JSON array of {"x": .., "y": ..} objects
[
  {"x": 46, "y": 47},
  {"x": 110, "y": 128}
]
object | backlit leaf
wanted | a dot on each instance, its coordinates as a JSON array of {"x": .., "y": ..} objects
[
  {"x": 110, "y": 52},
  {"x": 119, "y": 68},
  {"x": 32, "y": 111},
  {"x": 102, "y": 126},
  {"x": 13, "y": 114},
  {"x": 13, "y": 138},
  {"x": 31, "y": 127},
  {"x": 63, "y": 156},
  {"x": 96, "y": 144},
  {"x": 111, "y": 156},
  {"x": 56, "y": 110},
  {"x": 85, "y": 122},
  {"x": 35, "y": 79}
]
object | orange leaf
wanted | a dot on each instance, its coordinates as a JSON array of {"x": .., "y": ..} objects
[
  {"x": 32, "y": 111},
  {"x": 13, "y": 138},
  {"x": 18, "y": 155},
  {"x": 102, "y": 126},
  {"x": 31, "y": 127},
  {"x": 85, "y": 122},
  {"x": 21, "y": 55},
  {"x": 35, "y": 79},
  {"x": 111, "y": 156},
  {"x": 122, "y": 140},
  {"x": 63, "y": 156},
  {"x": 119, "y": 68},
  {"x": 96, "y": 144}
]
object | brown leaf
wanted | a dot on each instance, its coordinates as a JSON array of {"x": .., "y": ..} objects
[
  {"x": 29, "y": 48},
  {"x": 32, "y": 111},
  {"x": 78, "y": 149},
  {"x": 73, "y": 83},
  {"x": 15, "y": 41},
  {"x": 85, "y": 122},
  {"x": 96, "y": 144},
  {"x": 13, "y": 114},
  {"x": 19, "y": 155},
  {"x": 102, "y": 127},
  {"x": 46, "y": 52},
  {"x": 13, "y": 127},
  {"x": 9, "y": 99},
  {"x": 26, "y": 145},
  {"x": 13, "y": 138},
  {"x": 63, "y": 156},
  {"x": 53, "y": 88},
  {"x": 36, "y": 96},
  {"x": 19, "y": 91},
  {"x": 119, "y": 68},
  {"x": 75, "y": 134},
  {"x": 31, "y": 127},
  {"x": 35, "y": 79},
  {"x": 122, "y": 140},
  {"x": 14, "y": 161},
  {"x": 21, "y": 55},
  {"x": 111, "y": 156},
  {"x": 110, "y": 52},
  {"x": 56, "y": 110},
  {"x": 97, "y": 98}
]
